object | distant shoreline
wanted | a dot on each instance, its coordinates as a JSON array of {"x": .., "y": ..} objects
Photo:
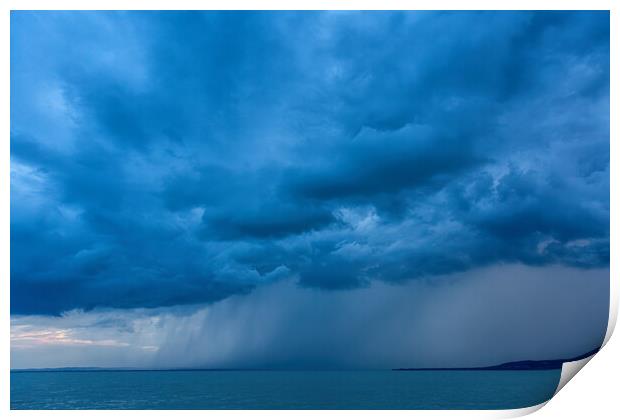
[
  {"x": 510, "y": 366},
  {"x": 520, "y": 365}
]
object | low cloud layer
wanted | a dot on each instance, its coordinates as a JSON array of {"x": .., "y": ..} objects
[
  {"x": 181, "y": 158},
  {"x": 481, "y": 317}
]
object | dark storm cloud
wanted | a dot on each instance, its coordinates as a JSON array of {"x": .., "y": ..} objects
[
  {"x": 375, "y": 162},
  {"x": 183, "y": 157}
]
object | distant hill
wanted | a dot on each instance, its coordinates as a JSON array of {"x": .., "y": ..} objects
[{"x": 520, "y": 365}]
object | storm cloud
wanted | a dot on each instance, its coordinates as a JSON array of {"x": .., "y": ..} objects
[{"x": 161, "y": 159}]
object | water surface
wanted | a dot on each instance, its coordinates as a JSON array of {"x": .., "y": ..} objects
[{"x": 281, "y": 389}]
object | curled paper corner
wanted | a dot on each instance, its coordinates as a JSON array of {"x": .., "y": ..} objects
[
  {"x": 569, "y": 370},
  {"x": 519, "y": 412}
]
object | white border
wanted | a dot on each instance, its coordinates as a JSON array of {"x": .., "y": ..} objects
[{"x": 8, "y": 5}]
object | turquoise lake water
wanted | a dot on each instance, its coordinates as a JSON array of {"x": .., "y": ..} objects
[{"x": 282, "y": 389}]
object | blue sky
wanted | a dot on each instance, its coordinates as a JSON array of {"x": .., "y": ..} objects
[{"x": 170, "y": 162}]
